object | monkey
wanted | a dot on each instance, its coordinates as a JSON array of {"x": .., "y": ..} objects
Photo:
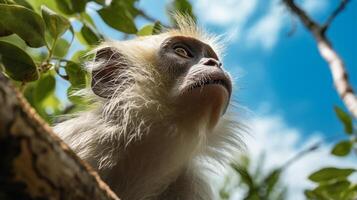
[{"x": 158, "y": 117}]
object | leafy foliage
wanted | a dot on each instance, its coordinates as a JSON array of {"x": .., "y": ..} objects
[
  {"x": 332, "y": 182},
  {"x": 181, "y": 6},
  {"x": 17, "y": 63},
  {"x": 258, "y": 185},
  {"x": 42, "y": 47},
  {"x": 24, "y": 22}
]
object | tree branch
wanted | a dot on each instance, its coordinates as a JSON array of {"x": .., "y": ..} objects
[
  {"x": 334, "y": 14},
  {"x": 329, "y": 54},
  {"x": 301, "y": 154},
  {"x": 35, "y": 163}
]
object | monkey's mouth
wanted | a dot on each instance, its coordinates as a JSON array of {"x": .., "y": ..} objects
[{"x": 223, "y": 81}]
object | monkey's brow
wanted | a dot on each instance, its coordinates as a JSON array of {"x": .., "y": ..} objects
[{"x": 192, "y": 42}]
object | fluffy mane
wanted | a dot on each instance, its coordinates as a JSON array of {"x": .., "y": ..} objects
[{"x": 136, "y": 112}]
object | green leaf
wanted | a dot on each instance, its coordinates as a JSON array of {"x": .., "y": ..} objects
[
  {"x": 350, "y": 194},
  {"x": 313, "y": 195},
  {"x": 49, "y": 107},
  {"x": 77, "y": 78},
  {"x": 224, "y": 194},
  {"x": 128, "y": 5},
  {"x": 157, "y": 28},
  {"x": 333, "y": 190},
  {"x": 24, "y": 22},
  {"x": 44, "y": 87},
  {"x": 56, "y": 24},
  {"x": 18, "y": 64},
  {"x": 73, "y": 97},
  {"x": 37, "y": 4},
  {"x": 61, "y": 48},
  {"x": 4, "y": 31},
  {"x": 87, "y": 19},
  {"x": 15, "y": 40},
  {"x": 330, "y": 173},
  {"x": 184, "y": 7},
  {"x": 119, "y": 18},
  {"x": 76, "y": 75},
  {"x": 245, "y": 175},
  {"x": 89, "y": 35},
  {"x": 79, "y": 56},
  {"x": 271, "y": 180},
  {"x": 64, "y": 6},
  {"x": 346, "y": 119},
  {"x": 80, "y": 38},
  {"x": 146, "y": 30},
  {"x": 78, "y": 6},
  {"x": 101, "y": 2},
  {"x": 29, "y": 93},
  {"x": 71, "y": 7},
  {"x": 342, "y": 148},
  {"x": 7, "y": 1},
  {"x": 24, "y": 3}
]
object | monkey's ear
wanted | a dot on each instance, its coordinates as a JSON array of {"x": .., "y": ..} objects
[{"x": 105, "y": 78}]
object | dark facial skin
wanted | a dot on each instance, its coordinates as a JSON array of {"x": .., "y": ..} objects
[
  {"x": 193, "y": 62},
  {"x": 191, "y": 67},
  {"x": 195, "y": 84}
]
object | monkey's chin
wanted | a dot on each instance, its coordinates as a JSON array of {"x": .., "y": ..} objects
[{"x": 207, "y": 103}]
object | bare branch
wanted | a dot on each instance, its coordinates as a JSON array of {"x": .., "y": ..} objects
[
  {"x": 335, "y": 62},
  {"x": 301, "y": 154},
  {"x": 334, "y": 14},
  {"x": 293, "y": 26},
  {"x": 310, "y": 24}
]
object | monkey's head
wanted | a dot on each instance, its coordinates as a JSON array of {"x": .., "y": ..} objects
[{"x": 177, "y": 73}]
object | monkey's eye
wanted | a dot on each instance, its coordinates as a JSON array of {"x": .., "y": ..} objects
[{"x": 182, "y": 51}]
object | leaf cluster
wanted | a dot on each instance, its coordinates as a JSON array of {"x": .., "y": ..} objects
[
  {"x": 332, "y": 182},
  {"x": 43, "y": 44}
]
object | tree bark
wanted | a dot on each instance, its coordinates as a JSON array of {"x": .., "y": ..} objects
[{"x": 34, "y": 162}]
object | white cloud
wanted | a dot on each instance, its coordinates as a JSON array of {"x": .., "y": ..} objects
[
  {"x": 230, "y": 14},
  {"x": 279, "y": 142},
  {"x": 225, "y": 12},
  {"x": 264, "y": 32}
]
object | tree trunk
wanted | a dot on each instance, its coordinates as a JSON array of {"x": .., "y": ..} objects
[{"x": 34, "y": 162}]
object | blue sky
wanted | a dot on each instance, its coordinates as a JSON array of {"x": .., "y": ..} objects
[
  {"x": 276, "y": 73},
  {"x": 282, "y": 80}
]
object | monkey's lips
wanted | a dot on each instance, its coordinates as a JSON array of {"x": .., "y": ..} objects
[
  {"x": 207, "y": 92},
  {"x": 217, "y": 79}
]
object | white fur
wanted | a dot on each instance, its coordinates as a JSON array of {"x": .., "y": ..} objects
[{"x": 137, "y": 141}]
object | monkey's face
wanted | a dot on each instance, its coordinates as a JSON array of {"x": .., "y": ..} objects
[
  {"x": 199, "y": 83},
  {"x": 193, "y": 82}
]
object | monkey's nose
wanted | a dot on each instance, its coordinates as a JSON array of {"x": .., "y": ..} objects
[{"x": 211, "y": 62}]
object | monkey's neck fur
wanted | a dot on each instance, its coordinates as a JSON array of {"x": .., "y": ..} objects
[{"x": 141, "y": 158}]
